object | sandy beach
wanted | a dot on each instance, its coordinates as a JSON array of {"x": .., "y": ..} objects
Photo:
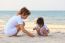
[
  {"x": 56, "y": 35},
  {"x": 27, "y": 12}
]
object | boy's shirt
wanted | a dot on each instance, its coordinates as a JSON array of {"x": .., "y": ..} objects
[
  {"x": 15, "y": 20},
  {"x": 43, "y": 27}
]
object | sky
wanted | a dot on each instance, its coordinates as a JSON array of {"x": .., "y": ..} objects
[{"x": 32, "y": 4}]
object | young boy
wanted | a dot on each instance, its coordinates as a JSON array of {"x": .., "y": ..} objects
[
  {"x": 41, "y": 28},
  {"x": 16, "y": 23}
]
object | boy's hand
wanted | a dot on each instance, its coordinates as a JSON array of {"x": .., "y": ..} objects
[
  {"x": 25, "y": 31},
  {"x": 30, "y": 34}
]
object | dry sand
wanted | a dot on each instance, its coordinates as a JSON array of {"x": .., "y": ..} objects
[{"x": 56, "y": 35}]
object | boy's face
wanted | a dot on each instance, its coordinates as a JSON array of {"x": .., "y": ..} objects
[{"x": 25, "y": 16}]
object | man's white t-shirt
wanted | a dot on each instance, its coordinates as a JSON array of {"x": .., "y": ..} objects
[{"x": 10, "y": 27}]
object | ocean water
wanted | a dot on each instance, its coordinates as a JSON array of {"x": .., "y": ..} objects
[{"x": 50, "y": 17}]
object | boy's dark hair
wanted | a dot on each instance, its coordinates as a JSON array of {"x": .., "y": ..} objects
[
  {"x": 40, "y": 21},
  {"x": 25, "y": 11}
]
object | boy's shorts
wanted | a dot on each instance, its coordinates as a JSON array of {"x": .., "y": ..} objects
[{"x": 11, "y": 32}]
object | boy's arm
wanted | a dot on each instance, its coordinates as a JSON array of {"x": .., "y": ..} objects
[{"x": 25, "y": 31}]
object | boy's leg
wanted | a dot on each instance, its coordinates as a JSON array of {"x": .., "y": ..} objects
[
  {"x": 18, "y": 29},
  {"x": 45, "y": 32},
  {"x": 38, "y": 31}
]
